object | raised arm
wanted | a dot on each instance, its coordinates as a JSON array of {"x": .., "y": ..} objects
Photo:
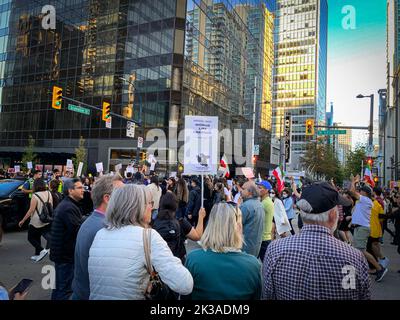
[{"x": 353, "y": 190}]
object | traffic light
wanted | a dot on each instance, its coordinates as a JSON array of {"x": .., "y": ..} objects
[
  {"x": 106, "y": 111},
  {"x": 376, "y": 179},
  {"x": 309, "y": 127},
  {"x": 127, "y": 112},
  {"x": 143, "y": 156},
  {"x": 57, "y": 98},
  {"x": 370, "y": 162}
]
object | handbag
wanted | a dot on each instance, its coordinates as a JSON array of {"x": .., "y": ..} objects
[{"x": 156, "y": 289}]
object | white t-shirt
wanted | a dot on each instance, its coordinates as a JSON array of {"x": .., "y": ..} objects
[{"x": 362, "y": 212}]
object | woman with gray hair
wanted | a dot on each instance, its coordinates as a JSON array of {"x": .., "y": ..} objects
[
  {"x": 117, "y": 267},
  {"x": 216, "y": 267}
]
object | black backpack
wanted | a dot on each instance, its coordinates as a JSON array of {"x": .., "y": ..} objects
[
  {"x": 46, "y": 214},
  {"x": 170, "y": 231}
]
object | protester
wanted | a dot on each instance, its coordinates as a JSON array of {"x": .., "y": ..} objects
[
  {"x": 218, "y": 194},
  {"x": 220, "y": 270},
  {"x": 361, "y": 223},
  {"x": 37, "y": 229},
  {"x": 194, "y": 204},
  {"x": 312, "y": 265},
  {"x": 101, "y": 194},
  {"x": 344, "y": 227},
  {"x": 171, "y": 184},
  {"x": 28, "y": 185},
  {"x": 116, "y": 266},
  {"x": 182, "y": 194},
  {"x": 288, "y": 204},
  {"x": 264, "y": 187},
  {"x": 252, "y": 219},
  {"x": 281, "y": 221},
  {"x": 64, "y": 230},
  {"x": 155, "y": 191},
  {"x": 54, "y": 186},
  {"x": 175, "y": 231}
]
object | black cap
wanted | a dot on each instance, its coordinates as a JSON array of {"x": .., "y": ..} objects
[
  {"x": 367, "y": 190},
  {"x": 320, "y": 197}
]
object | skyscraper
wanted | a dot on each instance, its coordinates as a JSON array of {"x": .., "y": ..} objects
[{"x": 300, "y": 69}]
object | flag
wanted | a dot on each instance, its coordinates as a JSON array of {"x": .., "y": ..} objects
[
  {"x": 224, "y": 166},
  {"x": 280, "y": 184},
  {"x": 368, "y": 177}
]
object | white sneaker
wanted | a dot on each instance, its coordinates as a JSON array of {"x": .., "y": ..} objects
[
  {"x": 42, "y": 254},
  {"x": 34, "y": 257}
]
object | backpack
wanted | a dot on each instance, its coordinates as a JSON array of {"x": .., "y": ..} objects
[
  {"x": 46, "y": 214},
  {"x": 170, "y": 231}
]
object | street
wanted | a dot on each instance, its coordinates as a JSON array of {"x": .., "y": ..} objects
[{"x": 15, "y": 264}]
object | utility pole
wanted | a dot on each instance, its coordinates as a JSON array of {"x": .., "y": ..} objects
[{"x": 254, "y": 121}]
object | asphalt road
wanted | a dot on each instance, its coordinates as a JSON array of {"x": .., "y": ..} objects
[{"x": 15, "y": 264}]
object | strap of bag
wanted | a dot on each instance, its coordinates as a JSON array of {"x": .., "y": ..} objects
[{"x": 147, "y": 249}]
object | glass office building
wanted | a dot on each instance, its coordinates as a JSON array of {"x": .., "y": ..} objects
[
  {"x": 228, "y": 45},
  {"x": 300, "y": 68},
  {"x": 94, "y": 45}
]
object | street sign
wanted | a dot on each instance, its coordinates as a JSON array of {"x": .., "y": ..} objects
[
  {"x": 330, "y": 132},
  {"x": 130, "y": 129},
  {"x": 287, "y": 138},
  {"x": 256, "y": 150},
  {"x": 140, "y": 142},
  {"x": 79, "y": 109},
  {"x": 108, "y": 123},
  {"x": 370, "y": 150}
]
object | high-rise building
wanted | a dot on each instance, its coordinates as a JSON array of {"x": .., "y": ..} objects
[
  {"x": 129, "y": 53},
  {"x": 300, "y": 69},
  {"x": 231, "y": 46},
  {"x": 343, "y": 144}
]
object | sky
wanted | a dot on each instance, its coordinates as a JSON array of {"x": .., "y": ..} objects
[{"x": 356, "y": 61}]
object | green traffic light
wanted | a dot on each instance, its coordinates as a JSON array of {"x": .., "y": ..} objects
[{"x": 58, "y": 103}]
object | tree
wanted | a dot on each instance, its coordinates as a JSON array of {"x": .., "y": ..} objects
[
  {"x": 320, "y": 159},
  {"x": 29, "y": 155},
  {"x": 80, "y": 155},
  {"x": 354, "y": 160}
]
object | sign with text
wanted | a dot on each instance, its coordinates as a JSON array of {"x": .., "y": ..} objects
[
  {"x": 108, "y": 123},
  {"x": 29, "y": 165},
  {"x": 201, "y": 149},
  {"x": 17, "y": 169},
  {"x": 256, "y": 150},
  {"x": 330, "y": 132},
  {"x": 80, "y": 167},
  {"x": 140, "y": 142},
  {"x": 99, "y": 167},
  {"x": 287, "y": 138},
  {"x": 79, "y": 109},
  {"x": 130, "y": 129}
]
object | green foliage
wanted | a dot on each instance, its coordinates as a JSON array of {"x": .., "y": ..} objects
[
  {"x": 29, "y": 155},
  {"x": 322, "y": 162},
  {"x": 80, "y": 156},
  {"x": 354, "y": 160}
]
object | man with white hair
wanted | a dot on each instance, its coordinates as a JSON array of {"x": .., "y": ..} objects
[{"x": 314, "y": 265}]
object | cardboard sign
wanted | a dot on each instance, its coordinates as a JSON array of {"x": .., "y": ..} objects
[
  {"x": 17, "y": 169},
  {"x": 129, "y": 169},
  {"x": 39, "y": 167},
  {"x": 248, "y": 173},
  {"x": 11, "y": 170},
  {"x": 118, "y": 167},
  {"x": 29, "y": 165},
  {"x": 99, "y": 167},
  {"x": 80, "y": 167}
]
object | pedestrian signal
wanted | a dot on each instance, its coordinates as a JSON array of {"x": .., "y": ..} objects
[
  {"x": 309, "y": 127},
  {"x": 106, "y": 111},
  {"x": 57, "y": 98}
]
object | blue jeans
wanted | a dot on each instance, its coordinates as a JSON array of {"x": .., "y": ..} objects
[
  {"x": 64, "y": 276},
  {"x": 263, "y": 249}
]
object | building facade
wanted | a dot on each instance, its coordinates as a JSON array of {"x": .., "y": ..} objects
[{"x": 299, "y": 86}]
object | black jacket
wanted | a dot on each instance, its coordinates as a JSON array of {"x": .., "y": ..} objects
[
  {"x": 64, "y": 230},
  {"x": 194, "y": 203}
]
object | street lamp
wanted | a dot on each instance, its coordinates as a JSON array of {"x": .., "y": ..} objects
[{"x": 371, "y": 119}]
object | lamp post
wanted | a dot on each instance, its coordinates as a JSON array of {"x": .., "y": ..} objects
[
  {"x": 371, "y": 117},
  {"x": 140, "y": 115}
]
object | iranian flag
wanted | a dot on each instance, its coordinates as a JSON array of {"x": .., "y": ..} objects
[
  {"x": 224, "y": 166},
  {"x": 280, "y": 184},
  {"x": 368, "y": 176}
]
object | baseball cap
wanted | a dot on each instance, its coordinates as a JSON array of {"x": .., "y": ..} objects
[
  {"x": 264, "y": 184},
  {"x": 320, "y": 197}
]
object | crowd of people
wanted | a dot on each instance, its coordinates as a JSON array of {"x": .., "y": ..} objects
[{"x": 101, "y": 227}]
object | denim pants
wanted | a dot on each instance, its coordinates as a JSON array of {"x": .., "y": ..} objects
[{"x": 64, "y": 276}]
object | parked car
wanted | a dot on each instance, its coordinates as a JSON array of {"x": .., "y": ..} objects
[{"x": 13, "y": 203}]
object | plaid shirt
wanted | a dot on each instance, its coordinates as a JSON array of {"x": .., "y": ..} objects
[{"x": 309, "y": 266}]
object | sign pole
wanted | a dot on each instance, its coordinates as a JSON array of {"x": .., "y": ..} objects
[{"x": 202, "y": 190}]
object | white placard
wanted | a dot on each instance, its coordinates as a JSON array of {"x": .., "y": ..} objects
[
  {"x": 152, "y": 166},
  {"x": 248, "y": 173},
  {"x": 108, "y": 123},
  {"x": 140, "y": 142},
  {"x": 80, "y": 167},
  {"x": 173, "y": 174},
  {"x": 130, "y": 129},
  {"x": 118, "y": 167},
  {"x": 17, "y": 169},
  {"x": 69, "y": 163},
  {"x": 29, "y": 165},
  {"x": 99, "y": 167},
  {"x": 230, "y": 183},
  {"x": 201, "y": 147},
  {"x": 129, "y": 169}
]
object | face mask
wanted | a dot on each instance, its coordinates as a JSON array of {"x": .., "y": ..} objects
[
  {"x": 285, "y": 196},
  {"x": 272, "y": 196}
]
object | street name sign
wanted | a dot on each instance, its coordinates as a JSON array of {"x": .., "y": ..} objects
[
  {"x": 79, "y": 109},
  {"x": 330, "y": 132}
]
